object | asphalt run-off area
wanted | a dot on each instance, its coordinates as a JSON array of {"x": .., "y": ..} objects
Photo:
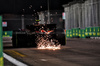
[{"x": 76, "y": 52}]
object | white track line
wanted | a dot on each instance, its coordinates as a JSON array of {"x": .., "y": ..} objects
[
  {"x": 43, "y": 59},
  {"x": 14, "y": 61}
]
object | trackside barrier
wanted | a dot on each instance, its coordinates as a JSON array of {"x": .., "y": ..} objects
[
  {"x": 1, "y": 46},
  {"x": 83, "y": 33},
  {"x": 7, "y": 33}
]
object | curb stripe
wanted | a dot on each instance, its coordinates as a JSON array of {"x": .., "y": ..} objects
[{"x": 14, "y": 61}]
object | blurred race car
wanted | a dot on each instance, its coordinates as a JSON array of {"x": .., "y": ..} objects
[{"x": 27, "y": 38}]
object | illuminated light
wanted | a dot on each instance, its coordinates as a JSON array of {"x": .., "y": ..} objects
[
  {"x": 80, "y": 35},
  {"x": 83, "y": 35},
  {"x": 79, "y": 31},
  {"x": 4, "y": 24},
  {"x": 94, "y": 34},
  {"x": 98, "y": 33},
  {"x": 90, "y": 30},
  {"x": 98, "y": 30},
  {"x": 5, "y": 33},
  {"x": 63, "y": 15},
  {"x": 67, "y": 34},
  {"x": 90, "y": 33},
  {"x": 70, "y": 35},
  {"x": 94, "y": 30},
  {"x": 73, "y": 33},
  {"x": 86, "y": 30},
  {"x": 86, "y": 33},
  {"x": 76, "y": 33}
]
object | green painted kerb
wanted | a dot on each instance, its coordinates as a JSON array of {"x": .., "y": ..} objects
[{"x": 1, "y": 46}]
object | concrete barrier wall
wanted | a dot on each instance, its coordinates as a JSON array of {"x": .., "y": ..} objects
[{"x": 83, "y": 15}]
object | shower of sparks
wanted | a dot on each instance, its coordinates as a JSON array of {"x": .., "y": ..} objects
[{"x": 46, "y": 43}]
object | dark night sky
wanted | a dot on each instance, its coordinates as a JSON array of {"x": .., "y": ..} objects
[{"x": 16, "y": 6}]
